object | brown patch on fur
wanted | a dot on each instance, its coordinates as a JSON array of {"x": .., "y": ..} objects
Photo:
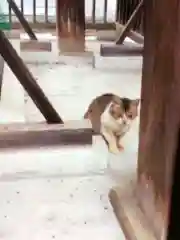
[{"x": 96, "y": 108}]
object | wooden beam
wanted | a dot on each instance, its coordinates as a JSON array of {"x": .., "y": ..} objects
[
  {"x": 129, "y": 23},
  {"x": 71, "y": 25},
  {"x": 131, "y": 218},
  {"x": 22, "y": 20},
  {"x": 160, "y": 110},
  {"x": 1, "y": 73},
  {"x": 41, "y": 134},
  {"x": 27, "y": 81},
  {"x": 120, "y": 50}
]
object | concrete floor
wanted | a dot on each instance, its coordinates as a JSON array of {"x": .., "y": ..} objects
[{"x": 63, "y": 192}]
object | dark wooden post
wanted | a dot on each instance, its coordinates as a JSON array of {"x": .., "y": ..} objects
[
  {"x": 70, "y": 23},
  {"x": 160, "y": 110}
]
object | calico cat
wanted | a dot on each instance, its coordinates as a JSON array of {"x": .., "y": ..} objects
[{"x": 111, "y": 116}]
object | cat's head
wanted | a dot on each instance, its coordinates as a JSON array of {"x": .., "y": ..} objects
[{"x": 125, "y": 108}]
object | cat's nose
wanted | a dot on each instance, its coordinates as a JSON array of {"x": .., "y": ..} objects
[{"x": 124, "y": 121}]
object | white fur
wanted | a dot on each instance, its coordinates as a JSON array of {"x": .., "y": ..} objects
[{"x": 111, "y": 127}]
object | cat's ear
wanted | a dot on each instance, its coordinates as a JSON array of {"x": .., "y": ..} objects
[{"x": 136, "y": 102}]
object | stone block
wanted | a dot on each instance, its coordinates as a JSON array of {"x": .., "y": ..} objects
[{"x": 35, "y": 46}]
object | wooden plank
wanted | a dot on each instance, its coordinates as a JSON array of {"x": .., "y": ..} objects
[
  {"x": 22, "y": 20},
  {"x": 130, "y": 217},
  {"x": 129, "y": 23},
  {"x": 70, "y": 20},
  {"x": 42, "y": 134},
  {"x": 120, "y": 50},
  {"x": 27, "y": 80},
  {"x": 1, "y": 73}
]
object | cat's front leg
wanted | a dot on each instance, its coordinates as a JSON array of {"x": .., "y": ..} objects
[
  {"x": 113, "y": 149},
  {"x": 119, "y": 137},
  {"x": 111, "y": 140},
  {"x": 118, "y": 142},
  {"x": 120, "y": 147}
]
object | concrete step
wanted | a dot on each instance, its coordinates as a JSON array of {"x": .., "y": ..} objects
[{"x": 57, "y": 161}]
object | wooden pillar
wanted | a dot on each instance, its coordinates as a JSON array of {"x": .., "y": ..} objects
[
  {"x": 160, "y": 110},
  {"x": 70, "y": 23},
  {"x": 142, "y": 208}
]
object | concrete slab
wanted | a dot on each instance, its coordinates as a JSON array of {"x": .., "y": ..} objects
[
  {"x": 59, "y": 161},
  {"x": 49, "y": 207}
]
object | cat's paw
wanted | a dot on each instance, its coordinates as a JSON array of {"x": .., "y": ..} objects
[
  {"x": 113, "y": 150},
  {"x": 120, "y": 147}
]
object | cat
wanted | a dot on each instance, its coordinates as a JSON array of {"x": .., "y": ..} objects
[{"x": 111, "y": 116}]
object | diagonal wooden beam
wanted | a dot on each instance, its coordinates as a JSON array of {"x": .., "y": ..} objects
[
  {"x": 22, "y": 20},
  {"x": 129, "y": 23},
  {"x": 27, "y": 80}
]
